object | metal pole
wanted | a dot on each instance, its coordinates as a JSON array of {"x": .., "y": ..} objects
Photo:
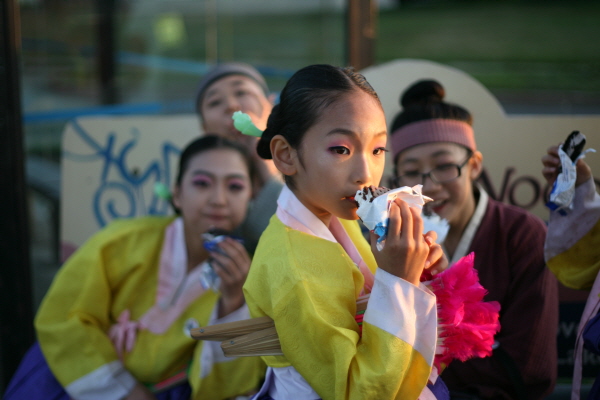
[
  {"x": 361, "y": 23},
  {"x": 105, "y": 42},
  {"x": 212, "y": 32},
  {"x": 16, "y": 304}
]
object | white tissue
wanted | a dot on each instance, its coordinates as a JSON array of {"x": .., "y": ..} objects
[
  {"x": 437, "y": 224},
  {"x": 375, "y": 214},
  {"x": 563, "y": 190}
]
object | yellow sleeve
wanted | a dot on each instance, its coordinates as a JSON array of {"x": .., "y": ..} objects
[
  {"x": 578, "y": 266},
  {"x": 310, "y": 290},
  {"x": 75, "y": 314}
]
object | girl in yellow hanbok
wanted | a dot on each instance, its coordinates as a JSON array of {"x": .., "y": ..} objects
[
  {"x": 115, "y": 322},
  {"x": 328, "y": 136}
]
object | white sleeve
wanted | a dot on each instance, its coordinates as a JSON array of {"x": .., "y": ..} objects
[
  {"x": 404, "y": 310},
  {"x": 110, "y": 381}
]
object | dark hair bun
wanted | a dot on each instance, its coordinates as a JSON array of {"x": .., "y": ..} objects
[
  {"x": 423, "y": 100},
  {"x": 422, "y": 93},
  {"x": 263, "y": 147}
]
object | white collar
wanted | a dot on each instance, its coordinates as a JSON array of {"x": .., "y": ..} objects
[
  {"x": 299, "y": 217},
  {"x": 469, "y": 233}
]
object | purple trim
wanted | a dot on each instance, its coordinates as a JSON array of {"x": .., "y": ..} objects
[
  {"x": 34, "y": 381},
  {"x": 439, "y": 389}
]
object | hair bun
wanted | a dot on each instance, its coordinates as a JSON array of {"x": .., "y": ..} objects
[
  {"x": 423, "y": 92},
  {"x": 263, "y": 147}
]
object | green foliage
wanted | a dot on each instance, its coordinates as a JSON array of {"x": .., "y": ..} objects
[{"x": 504, "y": 44}]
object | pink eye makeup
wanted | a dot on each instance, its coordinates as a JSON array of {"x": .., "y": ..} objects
[
  {"x": 339, "y": 150},
  {"x": 341, "y": 147},
  {"x": 380, "y": 150},
  {"x": 202, "y": 181},
  {"x": 236, "y": 184}
]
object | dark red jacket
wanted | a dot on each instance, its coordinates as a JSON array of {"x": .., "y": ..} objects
[{"x": 509, "y": 256}]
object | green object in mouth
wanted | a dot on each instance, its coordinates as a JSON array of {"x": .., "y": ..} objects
[{"x": 243, "y": 123}]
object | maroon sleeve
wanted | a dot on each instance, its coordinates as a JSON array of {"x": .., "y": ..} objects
[{"x": 509, "y": 257}]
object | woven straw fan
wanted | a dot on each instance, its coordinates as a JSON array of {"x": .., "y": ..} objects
[{"x": 252, "y": 337}]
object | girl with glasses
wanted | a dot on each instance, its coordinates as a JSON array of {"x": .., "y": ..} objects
[{"x": 433, "y": 144}]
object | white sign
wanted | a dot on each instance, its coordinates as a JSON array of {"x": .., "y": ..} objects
[
  {"x": 512, "y": 145},
  {"x": 109, "y": 167}
]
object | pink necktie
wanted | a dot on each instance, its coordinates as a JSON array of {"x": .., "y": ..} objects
[{"x": 344, "y": 240}]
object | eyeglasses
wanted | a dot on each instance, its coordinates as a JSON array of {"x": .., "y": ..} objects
[{"x": 440, "y": 174}]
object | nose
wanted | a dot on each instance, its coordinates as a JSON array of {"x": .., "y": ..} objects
[
  {"x": 218, "y": 196},
  {"x": 232, "y": 104},
  {"x": 429, "y": 186},
  {"x": 363, "y": 171}
]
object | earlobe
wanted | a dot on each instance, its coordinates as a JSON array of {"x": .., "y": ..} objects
[
  {"x": 175, "y": 197},
  {"x": 476, "y": 163},
  {"x": 284, "y": 156}
]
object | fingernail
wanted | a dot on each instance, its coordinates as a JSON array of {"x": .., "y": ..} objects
[{"x": 427, "y": 264}]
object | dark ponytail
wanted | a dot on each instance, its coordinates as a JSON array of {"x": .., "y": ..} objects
[
  {"x": 425, "y": 100},
  {"x": 303, "y": 99}
]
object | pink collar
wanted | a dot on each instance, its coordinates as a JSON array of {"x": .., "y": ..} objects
[{"x": 177, "y": 289}]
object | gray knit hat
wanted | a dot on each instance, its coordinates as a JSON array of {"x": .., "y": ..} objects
[{"x": 226, "y": 69}]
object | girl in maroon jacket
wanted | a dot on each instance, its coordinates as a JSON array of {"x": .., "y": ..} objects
[{"x": 434, "y": 145}]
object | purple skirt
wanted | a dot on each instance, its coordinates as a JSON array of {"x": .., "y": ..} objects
[{"x": 34, "y": 380}]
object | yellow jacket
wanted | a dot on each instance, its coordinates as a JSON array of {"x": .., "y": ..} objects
[
  {"x": 117, "y": 270},
  {"x": 309, "y": 287}
]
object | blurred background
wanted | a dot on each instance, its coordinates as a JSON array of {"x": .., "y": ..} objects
[{"x": 89, "y": 57}]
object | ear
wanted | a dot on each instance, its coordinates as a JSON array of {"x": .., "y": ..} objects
[
  {"x": 284, "y": 156},
  {"x": 176, "y": 196},
  {"x": 476, "y": 165}
]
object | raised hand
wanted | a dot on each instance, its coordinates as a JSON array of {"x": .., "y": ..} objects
[
  {"x": 232, "y": 267},
  {"x": 551, "y": 163},
  {"x": 406, "y": 250},
  {"x": 436, "y": 260}
]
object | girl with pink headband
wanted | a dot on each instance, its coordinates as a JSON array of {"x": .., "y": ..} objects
[{"x": 433, "y": 144}]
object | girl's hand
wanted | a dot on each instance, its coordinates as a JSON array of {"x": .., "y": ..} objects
[
  {"x": 406, "y": 250},
  {"x": 551, "y": 163},
  {"x": 140, "y": 392},
  {"x": 436, "y": 260},
  {"x": 232, "y": 267},
  {"x": 584, "y": 172}
]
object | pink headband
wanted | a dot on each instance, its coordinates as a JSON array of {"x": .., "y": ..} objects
[{"x": 433, "y": 130}]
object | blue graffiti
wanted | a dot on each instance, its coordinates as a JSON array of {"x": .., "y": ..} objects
[{"x": 116, "y": 181}]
